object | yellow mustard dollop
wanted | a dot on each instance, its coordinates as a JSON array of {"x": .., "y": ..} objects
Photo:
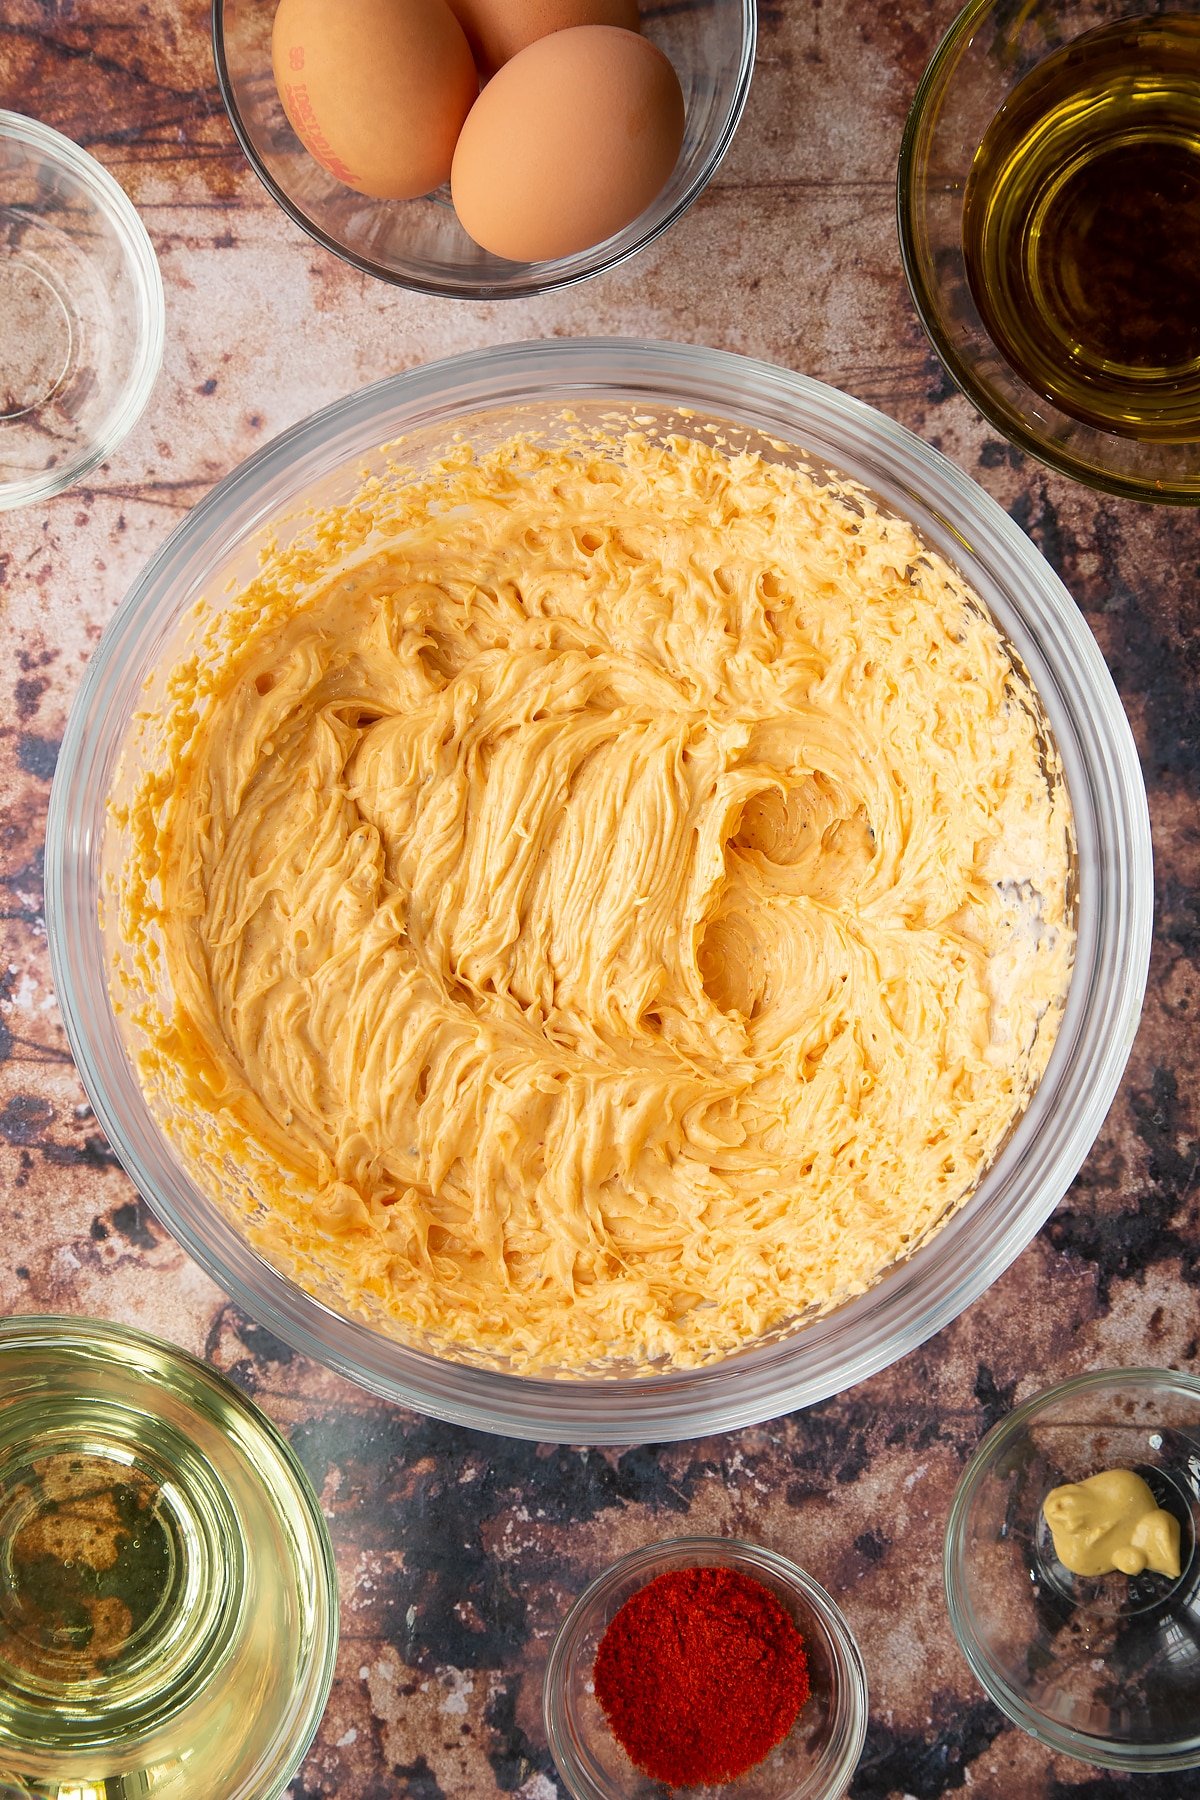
[
  {"x": 594, "y": 900},
  {"x": 1112, "y": 1522}
]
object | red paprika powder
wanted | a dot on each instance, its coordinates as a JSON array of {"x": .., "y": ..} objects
[{"x": 700, "y": 1674}]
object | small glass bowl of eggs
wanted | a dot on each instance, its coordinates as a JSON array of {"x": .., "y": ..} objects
[{"x": 484, "y": 148}]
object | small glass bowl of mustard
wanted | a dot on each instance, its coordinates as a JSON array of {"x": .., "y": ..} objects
[
  {"x": 817, "y": 1758},
  {"x": 1105, "y": 1667}
]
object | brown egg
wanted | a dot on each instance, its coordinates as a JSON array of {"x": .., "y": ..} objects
[
  {"x": 497, "y": 29},
  {"x": 567, "y": 143},
  {"x": 376, "y": 90}
]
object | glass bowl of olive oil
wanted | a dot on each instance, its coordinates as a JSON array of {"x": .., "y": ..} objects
[
  {"x": 168, "y": 1602},
  {"x": 1049, "y": 211}
]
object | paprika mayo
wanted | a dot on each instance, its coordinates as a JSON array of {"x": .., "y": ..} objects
[{"x": 598, "y": 900}]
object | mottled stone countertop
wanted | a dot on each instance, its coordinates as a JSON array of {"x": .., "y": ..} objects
[{"x": 457, "y": 1552}]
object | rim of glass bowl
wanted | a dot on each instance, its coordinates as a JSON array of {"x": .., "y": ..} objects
[
  {"x": 110, "y": 199},
  {"x": 134, "y": 1353},
  {"x": 649, "y": 1560},
  {"x": 581, "y": 267},
  {"x": 1042, "y": 1155},
  {"x": 1061, "y": 1738},
  {"x": 930, "y": 88}
]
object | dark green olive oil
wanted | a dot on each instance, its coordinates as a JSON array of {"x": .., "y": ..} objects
[{"x": 1081, "y": 228}]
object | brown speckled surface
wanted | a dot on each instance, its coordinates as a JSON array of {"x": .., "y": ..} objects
[{"x": 458, "y": 1553}]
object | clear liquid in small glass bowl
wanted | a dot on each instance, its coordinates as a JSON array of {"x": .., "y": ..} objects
[{"x": 81, "y": 313}]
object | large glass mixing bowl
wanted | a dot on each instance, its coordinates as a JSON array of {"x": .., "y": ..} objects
[{"x": 484, "y": 394}]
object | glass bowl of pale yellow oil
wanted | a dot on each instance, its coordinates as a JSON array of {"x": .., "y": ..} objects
[
  {"x": 168, "y": 1598},
  {"x": 1049, "y": 213},
  {"x": 1091, "y": 1649}
]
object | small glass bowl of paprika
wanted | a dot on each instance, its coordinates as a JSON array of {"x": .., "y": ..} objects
[{"x": 701, "y": 1676}]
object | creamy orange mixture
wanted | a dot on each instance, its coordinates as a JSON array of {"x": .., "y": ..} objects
[{"x": 596, "y": 901}]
